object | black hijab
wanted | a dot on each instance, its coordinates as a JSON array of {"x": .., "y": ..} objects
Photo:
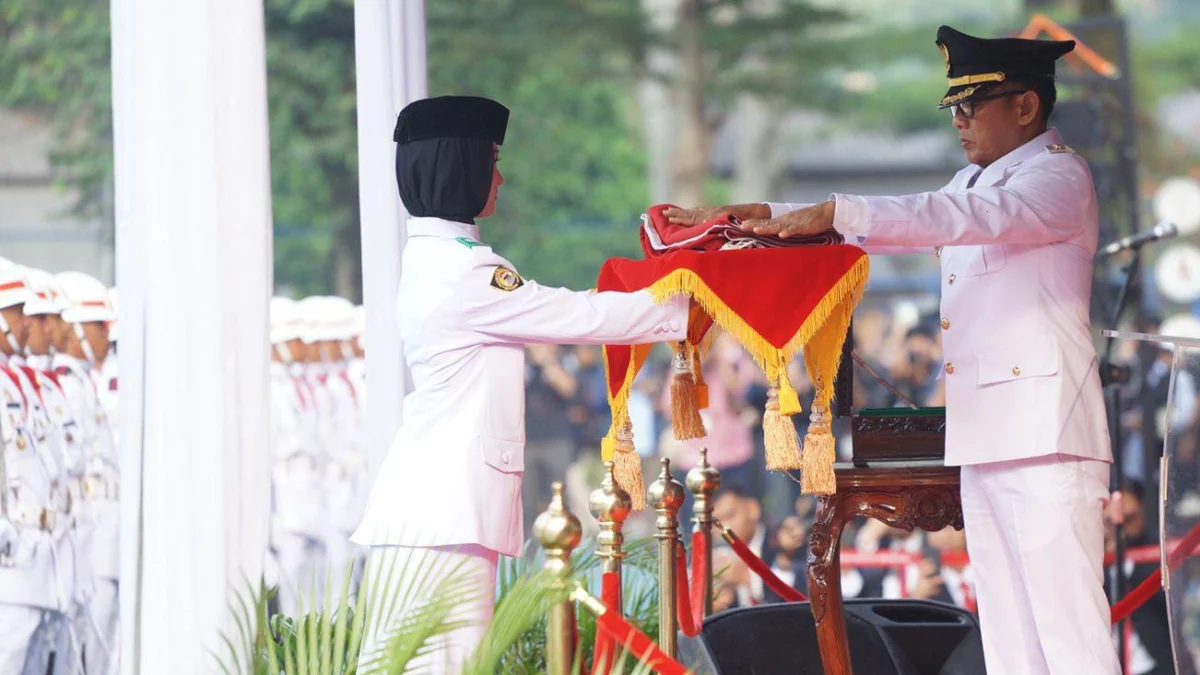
[
  {"x": 446, "y": 153},
  {"x": 447, "y": 178}
]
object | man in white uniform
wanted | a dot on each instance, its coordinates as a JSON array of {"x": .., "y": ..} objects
[
  {"x": 449, "y": 492},
  {"x": 296, "y": 505},
  {"x": 28, "y": 586},
  {"x": 1016, "y": 231},
  {"x": 73, "y": 568},
  {"x": 82, "y": 345}
]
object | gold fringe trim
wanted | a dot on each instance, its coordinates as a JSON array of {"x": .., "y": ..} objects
[{"x": 843, "y": 295}]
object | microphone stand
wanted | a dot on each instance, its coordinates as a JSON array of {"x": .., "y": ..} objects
[{"x": 1111, "y": 378}]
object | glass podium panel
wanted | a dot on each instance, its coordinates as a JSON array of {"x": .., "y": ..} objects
[{"x": 1179, "y": 502}]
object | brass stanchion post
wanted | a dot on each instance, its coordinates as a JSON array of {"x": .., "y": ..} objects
[
  {"x": 611, "y": 506},
  {"x": 703, "y": 481},
  {"x": 559, "y": 532},
  {"x": 666, "y": 494}
]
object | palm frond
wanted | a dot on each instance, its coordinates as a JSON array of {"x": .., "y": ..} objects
[{"x": 391, "y": 620}]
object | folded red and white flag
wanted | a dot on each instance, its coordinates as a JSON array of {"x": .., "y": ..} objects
[{"x": 660, "y": 236}]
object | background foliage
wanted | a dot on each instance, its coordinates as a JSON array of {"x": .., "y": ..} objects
[{"x": 575, "y": 160}]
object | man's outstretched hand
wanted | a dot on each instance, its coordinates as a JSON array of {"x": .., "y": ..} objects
[
  {"x": 801, "y": 222},
  {"x": 703, "y": 214}
]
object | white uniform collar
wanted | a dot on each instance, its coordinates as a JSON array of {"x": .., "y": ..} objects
[
  {"x": 436, "y": 227},
  {"x": 71, "y": 362},
  {"x": 1033, "y": 148}
]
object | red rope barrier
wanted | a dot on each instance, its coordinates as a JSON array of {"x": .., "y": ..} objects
[
  {"x": 687, "y": 621},
  {"x": 756, "y": 565},
  {"x": 610, "y": 591},
  {"x": 700, "y": 572},
  {"x": 1148, "y": 588},
  {"x": 642, "y": 647}
]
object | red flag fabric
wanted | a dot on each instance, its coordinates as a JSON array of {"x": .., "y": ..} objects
[
  {"x": 660, "y": 236},
  {"x": 776, "y": 301}
]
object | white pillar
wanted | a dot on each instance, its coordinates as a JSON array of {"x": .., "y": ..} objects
[
  {"x": 193, "y": 214},
  {"x": 389, "y": 46}
]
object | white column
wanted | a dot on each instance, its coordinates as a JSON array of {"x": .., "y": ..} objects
[
  {"x": 389, "y": 45},
  {"x": 193, "y": 213}
]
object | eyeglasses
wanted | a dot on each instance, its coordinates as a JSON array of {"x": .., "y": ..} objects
[{"x": 967, "y": 109}]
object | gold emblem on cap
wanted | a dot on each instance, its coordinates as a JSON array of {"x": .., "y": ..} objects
[
  {"x": 945, "y": 55},
  {"x": 955, "y": 98},
  {"x": 506, "y": 279},
  {"x": 979, "y": 78}
]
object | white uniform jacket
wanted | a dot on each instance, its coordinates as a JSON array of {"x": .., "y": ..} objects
[
  {"x": 27, "y": 574},
  {"x": 453, "y": 474},
  {"x": 101, "y": 485},
  {"x": 295, "y": 481},
  {"x": 1020, "y": 368}
]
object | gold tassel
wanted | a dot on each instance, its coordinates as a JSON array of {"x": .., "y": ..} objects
[
  {"x": 779, "y": 436},
  {"x": 819, "y": 454},
  {"x": 789, "y": 400},
  {"x": 698, "y": 374},
  {"x": 685, "y": 410},
  {"x": 627, "y": 467}
]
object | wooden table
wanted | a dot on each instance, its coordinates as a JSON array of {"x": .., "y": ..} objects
[{"x": 902, "y": 495}]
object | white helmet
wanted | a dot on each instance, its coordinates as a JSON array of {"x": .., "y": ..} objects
[
  {"x": 14, "y": 290},
  {"x": 43, "y": 290},
  {"x": 287, "y": 323},
  {"x": 310, "y": 311},
  {"x": 339, "y": 319},
  {"x": 85, "y": 298},
  {"x": 326, "y": 317},
  {"x": 14, "y": 285}
]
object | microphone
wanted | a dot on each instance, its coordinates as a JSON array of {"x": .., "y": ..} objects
[{"x": 1163, "y": 230}]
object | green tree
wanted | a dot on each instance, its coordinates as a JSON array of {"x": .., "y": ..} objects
[{"x": 54, "y": 61}]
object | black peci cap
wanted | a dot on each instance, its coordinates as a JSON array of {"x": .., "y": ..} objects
[
  {"x": 974, "y": 65},
  {"x": 452, "y": 117}
]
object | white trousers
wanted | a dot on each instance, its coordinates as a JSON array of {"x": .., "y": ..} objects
[
  {"x": 414, "y": 579},
  {"x": 102, "y": 643},
  {"x": 18, "y": 653},
  {"x": 1035, "y": 536}
]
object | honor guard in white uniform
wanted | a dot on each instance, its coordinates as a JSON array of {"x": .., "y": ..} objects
[
  {"x": 28, "y": 586},
  {"x": 72, "y": 564},
  {"x": 297, "y": 510},
  {"x": 1016, "y": 232},
  {"x": 329, "y": 325},
  {"x": 82, "y": 347},
  {"x": 449, "y": 492}
]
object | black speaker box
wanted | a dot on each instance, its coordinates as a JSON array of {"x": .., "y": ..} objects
[{"x": 886, "y": 637}]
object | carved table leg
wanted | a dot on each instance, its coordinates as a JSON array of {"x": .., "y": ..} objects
[{"x": 825, "y": 585}]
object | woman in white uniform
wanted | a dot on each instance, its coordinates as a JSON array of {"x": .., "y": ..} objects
[{"x": 448, "y": 496}]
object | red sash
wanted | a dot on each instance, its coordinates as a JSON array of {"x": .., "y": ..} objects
[{"x": 20, "y": 390}]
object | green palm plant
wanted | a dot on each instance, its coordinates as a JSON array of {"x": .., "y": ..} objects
[{"x": 327, "y": 638}]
